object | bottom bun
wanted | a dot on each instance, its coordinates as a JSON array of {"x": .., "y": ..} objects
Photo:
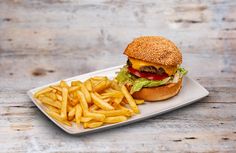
[{"x": 158, "y": 93}]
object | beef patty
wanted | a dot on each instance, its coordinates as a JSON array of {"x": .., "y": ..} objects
[{"x": 149, "y": 69}]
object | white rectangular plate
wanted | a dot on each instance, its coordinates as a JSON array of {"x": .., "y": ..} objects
[{"x": 190, "y": 92}]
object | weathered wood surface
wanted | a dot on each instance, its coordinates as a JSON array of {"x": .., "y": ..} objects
[{"x": 42, "y": 41}]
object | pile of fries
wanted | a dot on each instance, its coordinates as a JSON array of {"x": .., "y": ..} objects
[{"x": 92, "y": 103}]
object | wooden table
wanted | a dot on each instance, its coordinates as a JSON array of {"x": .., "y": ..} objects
[{"x": 42, "y": 41}]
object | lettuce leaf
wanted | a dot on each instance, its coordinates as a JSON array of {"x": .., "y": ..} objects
[
  {"x": 142, "y": 82},
  {"x": 182, "y": 71},
  {"x": 124, "y": 77}
]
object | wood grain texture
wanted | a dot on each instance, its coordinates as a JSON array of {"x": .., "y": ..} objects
[{"x": 42, "y": 41}]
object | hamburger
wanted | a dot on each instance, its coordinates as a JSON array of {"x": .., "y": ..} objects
[{"x": 152, "y": 71}]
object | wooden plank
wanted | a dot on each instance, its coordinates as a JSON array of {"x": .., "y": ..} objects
[
  {"x": 44, "y": 69},
  {"x": 199, "y": 109},
  {"x": 199, "y": 128},
  {"x": 60, "y": 26}
]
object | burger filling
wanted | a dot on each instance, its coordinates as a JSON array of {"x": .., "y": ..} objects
[{"x": 139, "y": 74}]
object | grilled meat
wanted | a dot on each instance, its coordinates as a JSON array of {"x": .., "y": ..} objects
[
  {"x": 152, "y": 69},
  {"x": 149, "y": 69}
]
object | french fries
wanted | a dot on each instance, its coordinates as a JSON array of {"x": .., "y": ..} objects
[
  {"x": 58, "y": 118},
  {"x": 115, "y": 119},
  {"x": 64, "y": 102},
  {"x": 40, "y": 92},
  {"x": 72, "y": 89},
  {"x": 49, "y": 101},
  {"x": 129, "y": 99},
  {"x": 71, "y": 114},
  {"x": 93, "y": 107},
  {"x": 125, "y": 112},
  {"x": 92, "y": 124},
  {"x": 100, "y": 103},
  {"x": 95, "y": 116},
  {"x": 53, "y": 109},
  {"x": 97, "y": 101},
  {"x": 83, "y": 102},
  {"x": 63, "y": 84},
  {"x": 88, "y": 85},
  {"x": 85, "y": 119},
  {"x": 78, "y": 114},
  {"x": 86, "y": 93},
  {"x": 100, "y": 86}
]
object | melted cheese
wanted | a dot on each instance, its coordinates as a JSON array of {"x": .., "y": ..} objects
[{"x": 136, "y": 64}]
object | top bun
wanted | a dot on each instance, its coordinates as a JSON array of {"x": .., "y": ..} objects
[{"x": 154, "y": 49}]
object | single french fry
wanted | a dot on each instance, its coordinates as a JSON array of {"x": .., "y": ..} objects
[
  {"x": 111, "y": 93},
  {"x": 53, "y": 109},
  {"x": 71, "y": 114},
  {"x": 139, "y": 101},
  {"x": 64, "y": 103},
  {"x": 92, "y": 124},
  {"x": 58, "y": 118},
  {"x": 95, "y": 116},
  {"x": 63, "y": 84},
  {"x": 58, "y": 88},
  {"x": 98, "y": 95},
  {"x": 107, "y": 100},
  {"x": 93, "y": 107},
  {"x": 45, "y": 90},
  {"x": 130, "y": 99},
  {"x": 73, "y": 89},
  {"x": 86, "y": 93},
  {"x": 99, "y": 78},
  {"x": 49, "y": 101},
  {"x": 85, "y": 119},
  {"x": 88, "y": 85},
  {"x": 100, "y": 86},
  {"x": 78, "y": 114},
  {"x": 83, "y": 101},
  {"x": 76, "y": 83},
  {"x": 103, "y": 97},
  {"x": 100, "y": 103},
  {"x": 120, "y": 112},
  {"x": 115, "y": 119}
]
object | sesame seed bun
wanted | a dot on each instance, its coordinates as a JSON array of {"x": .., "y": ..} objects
[
  {"x": 154, "y": 49},
  {"x": 159, "y": 93}
]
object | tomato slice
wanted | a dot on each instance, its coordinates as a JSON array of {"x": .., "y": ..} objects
[{"x": 147, "y": 75}]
